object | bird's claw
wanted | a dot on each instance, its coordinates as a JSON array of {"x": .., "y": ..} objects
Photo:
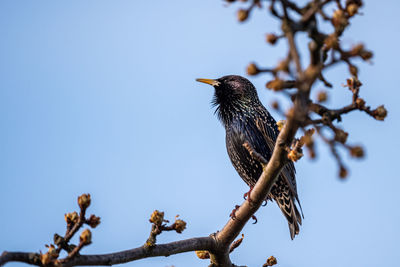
[
  {"x": 233, "y": 213},
  {"x": 246, "y": 196},
  {"x": 254, "y": 218},
  {"x": 265, "y": 202}
]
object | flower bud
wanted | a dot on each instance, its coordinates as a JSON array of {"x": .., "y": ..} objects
[
  {"x": 49, "y": 256},
  {"x": 356, "y": 50},
  {"x": 252, "y": 69},
  {"x": 341, "y": 136},
  {"x": 52, "y": 252},
  {"x": 276, "y": 84},
  {"x": 86, "y": 237},
  {"x": 339, "y": 20},
  {"x": 180, "y": 225},
  {"x": 242, "y": 15},
  {"x": 360, "y": 103},
  {"x": 352, "y": 9},
  {"x": 271, "y": 261},
  {"x": 353, "y": 70},
  {"x": 71, "y": 217},
  {"x": 93, "y": 221},
  {"x": 322, "y": 96},
  {"x": 294, "y": 155},
  {"x": 275, "y": 105},
  {"x": 331, "y": 41},
  {"x": 380, "y": 113},
  {"x": 271, "y": 38},
  {"x": 357, "y": 152},
  {"x": 202, "y": 254},
  {"x": 343, "y": 172},
  {"x": 84, "y": 201},
  {"x": 280, "y": 124},
  {"x": 157, "y": 217},
  {"x": 45, "y": 258},
  {"x": 366, "y": 55}
]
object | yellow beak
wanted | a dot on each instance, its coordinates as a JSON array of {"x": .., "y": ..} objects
[{"x": 209, "y": 81}]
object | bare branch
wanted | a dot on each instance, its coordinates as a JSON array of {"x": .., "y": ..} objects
[
  {"x": 257, "y": 156},
  {"x": 200, "y": 243}
]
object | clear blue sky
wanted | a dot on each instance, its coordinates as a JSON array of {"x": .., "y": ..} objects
[{"x": 100, "y": 97}]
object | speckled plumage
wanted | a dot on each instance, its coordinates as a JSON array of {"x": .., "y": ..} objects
[{"x": 246, "y": 119}]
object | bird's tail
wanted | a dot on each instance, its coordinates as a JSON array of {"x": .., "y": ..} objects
[{"x": 286, "y": 203}]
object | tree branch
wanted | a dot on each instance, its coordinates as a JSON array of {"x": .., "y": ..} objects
[{"x": 192, "y": 244}]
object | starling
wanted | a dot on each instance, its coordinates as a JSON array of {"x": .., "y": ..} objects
[{"x": 246, "y": 120}]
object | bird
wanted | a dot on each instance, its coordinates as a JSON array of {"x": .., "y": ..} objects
[{"x": 246, "y": 120}]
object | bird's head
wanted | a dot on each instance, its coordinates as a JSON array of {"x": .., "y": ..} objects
[{"x": 233, "y": 94}]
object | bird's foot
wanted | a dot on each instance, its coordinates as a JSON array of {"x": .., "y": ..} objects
[
  {"x": 254, "y": 218},
  {"x": 233, "y": 213},
  {"x": 246, "y": 196},
  {"x": 265, "y": 202}
]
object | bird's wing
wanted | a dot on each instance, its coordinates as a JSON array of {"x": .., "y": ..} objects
[
  {"x": 266, "y": 124},
  {"x": 261, "y": 133},
  {"x": 247, "y": 167},
  {"x": 255, "y": 133}
]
